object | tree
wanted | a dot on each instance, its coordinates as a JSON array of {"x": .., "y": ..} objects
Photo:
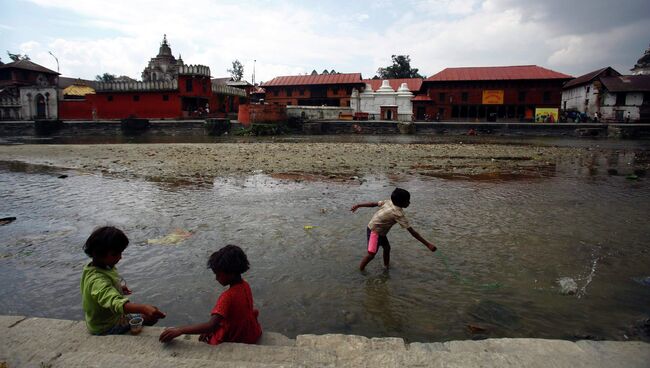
[
  {"x": 17, "y": 57},
  {"x": 401, "y": 68},
  {"x": 237, "y": 71},
  {"x": 106, "y": 77}
]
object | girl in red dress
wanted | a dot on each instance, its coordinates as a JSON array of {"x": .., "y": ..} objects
[{"x": 233, "y": 317}]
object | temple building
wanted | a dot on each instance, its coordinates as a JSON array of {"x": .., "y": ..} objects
[
  {"x": 163, "y": 67},
  {"x": 642, "y": 66},
  {"x": 169, "y": 89},
  {"x": 390, "y": 100},
  {"x": 27, "y": 91}
]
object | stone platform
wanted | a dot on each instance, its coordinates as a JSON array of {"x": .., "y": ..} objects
[{"x": 40, "y": 342}]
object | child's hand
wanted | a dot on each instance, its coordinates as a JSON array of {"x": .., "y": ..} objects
[
  {"x": 169, "y": 334},
  {"x": 153, "y": 312},
  {"x": 126, "y": 290},
  {"x": 354, "y": 208}
]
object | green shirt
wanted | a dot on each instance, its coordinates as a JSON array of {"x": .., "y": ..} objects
[{"x": 101, "y": 298}]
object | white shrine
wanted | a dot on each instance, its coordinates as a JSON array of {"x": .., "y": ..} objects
[{"x": 384, "y": 103}]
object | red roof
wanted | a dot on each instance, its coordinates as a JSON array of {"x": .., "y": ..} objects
[
  {"x": 413, "y": 84},
  {"x": 421, "y": 98},
  {"x": 522, "y": 72},
  {"x": 301, "y": 80}
]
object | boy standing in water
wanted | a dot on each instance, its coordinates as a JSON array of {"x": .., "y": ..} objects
[{"x": 391, "y": 212}]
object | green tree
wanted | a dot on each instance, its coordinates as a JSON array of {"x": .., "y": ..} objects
[
  {"x": 17, "y": 57},
  {"x": 106, "y": 77},
  {"x": 237, "y": 71},
  {"x": 401, "y": 68}
]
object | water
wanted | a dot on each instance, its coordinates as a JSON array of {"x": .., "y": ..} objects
[{"x": 502, "y": 247}]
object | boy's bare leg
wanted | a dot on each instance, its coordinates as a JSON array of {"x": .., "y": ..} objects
[
  {"x": 386, "y": 255},
  {"x": 366, "y": 260}
]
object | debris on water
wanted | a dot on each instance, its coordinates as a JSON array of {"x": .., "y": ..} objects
[
  {"x": 645, "y": 281},
  {"x": 476, "y": 329},
  {"x": 612, "y": 171},
  {"x": 632, "y": 177},
  {"x": 7, "y": 220},
  {"x": 308, "y": 227},
  {"x": 174, "y": 237},
  {"x": 63, "y": 176},
  {"x": 568, "y": 286}
]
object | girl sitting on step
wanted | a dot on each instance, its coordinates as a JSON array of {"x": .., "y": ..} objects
[{"x": 233, "y": 317}]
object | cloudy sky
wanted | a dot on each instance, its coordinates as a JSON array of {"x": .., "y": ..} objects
[{"x": 91, "y": 37}]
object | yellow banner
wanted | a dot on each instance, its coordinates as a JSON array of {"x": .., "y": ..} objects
[
  {"x": 546, "y": 115},
  {"x": 493, "y": 97}
]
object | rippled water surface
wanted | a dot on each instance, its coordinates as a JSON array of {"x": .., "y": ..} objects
[{"x": 503, "y": 246}]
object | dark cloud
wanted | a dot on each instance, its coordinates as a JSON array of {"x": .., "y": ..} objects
[{"x": 580, "y": 16}]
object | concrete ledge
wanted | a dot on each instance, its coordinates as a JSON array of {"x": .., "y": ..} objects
[{"x": 41, "y": 342}]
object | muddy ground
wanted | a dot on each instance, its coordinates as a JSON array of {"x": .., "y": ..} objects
[{"x": 314, "y": 161}]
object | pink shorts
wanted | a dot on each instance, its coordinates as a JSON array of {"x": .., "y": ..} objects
[{"x": 373, "y": 242}]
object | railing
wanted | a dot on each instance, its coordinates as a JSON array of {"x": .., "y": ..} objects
[{"x": 227, "y": 90}]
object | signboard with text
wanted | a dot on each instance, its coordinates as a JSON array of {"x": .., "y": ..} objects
[{"x": 493, "y": 97}]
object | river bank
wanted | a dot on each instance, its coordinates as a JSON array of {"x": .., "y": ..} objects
[
  {"x": 324, "y": 161},
  {"x": 39, "y": 342}
]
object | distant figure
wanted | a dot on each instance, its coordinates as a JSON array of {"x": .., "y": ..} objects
[
  {"x": 107, "y": 310},
  {"x": 437, "y": 116},
  {"x": 627, "y": 117},
  {"x": 472, "y": 131},
  {"x": 390, "y": 212},
  {"x": 595, "y": 117},
  {"x": 233, "y": 317}
]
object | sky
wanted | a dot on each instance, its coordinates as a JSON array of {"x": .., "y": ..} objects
[{"x": 284, "y": 37}]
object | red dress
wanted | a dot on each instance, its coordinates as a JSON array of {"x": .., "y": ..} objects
[{"x": 239, "y": 322}]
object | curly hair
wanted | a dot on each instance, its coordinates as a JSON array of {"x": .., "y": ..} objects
[
  {"x": 104, "y": 240},
  {"x": 229, "y": 259}
]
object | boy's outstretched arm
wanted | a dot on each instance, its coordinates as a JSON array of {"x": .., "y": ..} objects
[
  {"x": 202, "y": 328},
  {"x": 417, "y": 236},
  {"x": 366, "y": 204}
]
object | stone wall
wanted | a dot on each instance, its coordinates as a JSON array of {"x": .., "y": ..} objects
[
  {"x": 29, "y": 97},
  {"x": 317, "y": 112}
]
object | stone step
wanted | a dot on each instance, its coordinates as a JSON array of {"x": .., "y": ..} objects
[
  {"x": 95, "y": 360},
  {"x": 28, "y": 342}
]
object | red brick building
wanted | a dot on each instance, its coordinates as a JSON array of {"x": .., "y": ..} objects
[
  {"x": 170, "y": 89},
  {"x": 480, "y": 93},
  {"x": 312, "y": 90}
]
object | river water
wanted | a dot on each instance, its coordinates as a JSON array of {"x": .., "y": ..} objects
[{"x": 503, "y": 244}]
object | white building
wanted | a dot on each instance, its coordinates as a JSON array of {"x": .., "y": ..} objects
[
  {"x": 581, "y": 94},
  {"x": 625, "y": 94},
  {"x": 384, "y": 103}
]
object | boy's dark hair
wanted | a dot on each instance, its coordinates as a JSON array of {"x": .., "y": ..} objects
[
  {"x": 400, "y": 196},
  {"x": 229, "y": 259},
  {"x": 104, "y": 240}
]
